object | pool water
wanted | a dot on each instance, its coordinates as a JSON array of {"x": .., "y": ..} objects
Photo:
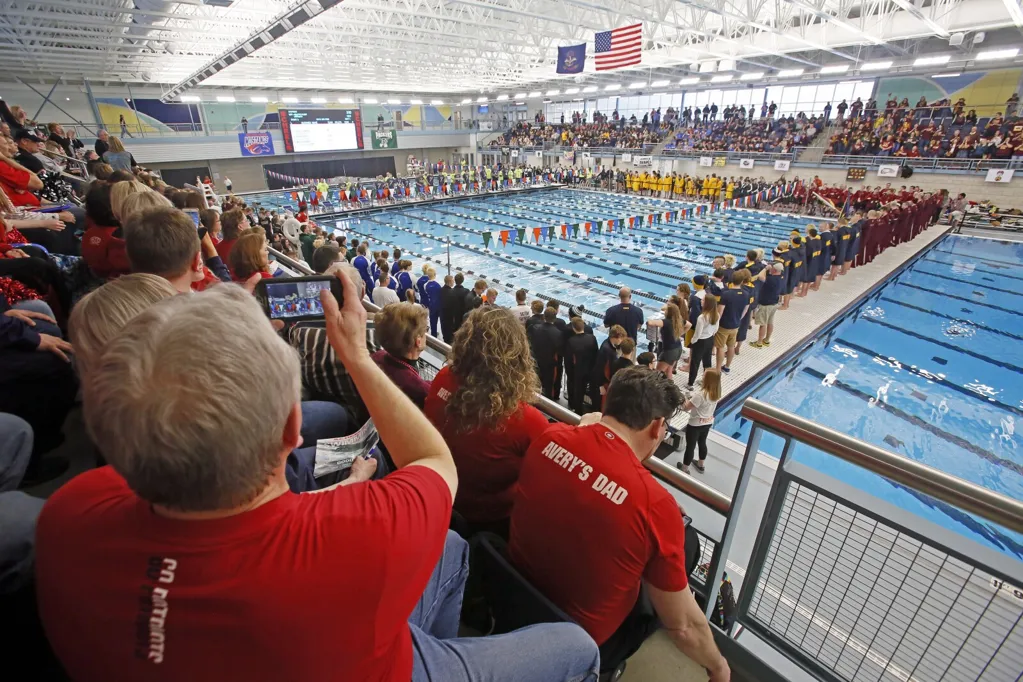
[
  {"x": 588, "y": 270},
  {"x": 930, "y": 367}
]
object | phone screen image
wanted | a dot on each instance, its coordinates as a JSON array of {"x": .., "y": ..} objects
[
  {"x": 290, "y": 299},
  {"x": 194, "y": 215}
]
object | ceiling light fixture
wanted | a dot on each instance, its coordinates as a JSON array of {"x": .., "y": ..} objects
[
  {"x": 790, "y": 73},
  {"x": 835, "y": 68},
  {"x": 318, "y": 100},
  {"x": 535, "y": 93},
  {"x": 467, "y": 100},
  {"x": 520, "y": 95},
  {"x": 721, "y": 79},
  {"x": 257, "y": 99},
  {"x": 876, "y": 66},
  {"x": 571, "y": 91},
  {"x": 370, "y": 100},
  {"x": 947, "y": 75},
  {"x": 660, "y": 84},
  {"x": 637, "y": 85},
  {"x": 613, "y": 86},
  {"x": 689, "y": 81},
  {"x": 481, "y": 100},
  {"x": 225, "y": 98},
  {"x": 551, "y": 93},
  {"x": 755, "y": 75},
  {"x": 394, "y": 101},
  {"x": 932, "y": 61},
  {"x": 290, "y": 100},
  {"x": 436, "y": 102},
  {"x": 190, "y": 98},
  {"x": 590, "y": 88},
  {"x": 345, "y": 100},
  {"x": 991, "y": 55},
  {"x": 502, "y": 98}
]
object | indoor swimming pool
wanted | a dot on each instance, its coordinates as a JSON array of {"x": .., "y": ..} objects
[
  {"x": 588, "y": 270},
  {"x": 929, "y": 367}
]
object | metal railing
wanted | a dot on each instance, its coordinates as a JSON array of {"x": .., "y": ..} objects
[
  {"x": 1007, "y": 222},
  {"x": 136, "y": 130},
  {"x": 935, "y": 163},
  {"x": 852, "y": 588}
]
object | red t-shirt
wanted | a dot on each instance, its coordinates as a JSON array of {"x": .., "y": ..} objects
[
  {"x": 15, "y": 184},
  {"x": 589, "y": 523},
  {"x": 487, "y": 460},
  {"x": 305, "y": 587}
]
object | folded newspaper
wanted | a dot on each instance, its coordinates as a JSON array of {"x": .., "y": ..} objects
[{"x": 337, "y": 454}]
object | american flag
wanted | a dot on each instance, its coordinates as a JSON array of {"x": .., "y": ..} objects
[{"x": 620, "y": 47}]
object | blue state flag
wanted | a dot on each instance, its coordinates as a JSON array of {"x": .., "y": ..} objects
[{"x": 571, "y": 58}]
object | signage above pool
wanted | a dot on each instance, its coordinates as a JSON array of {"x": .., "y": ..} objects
[{"x": 259, "y": 143}]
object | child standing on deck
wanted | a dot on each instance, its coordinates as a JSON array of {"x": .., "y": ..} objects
[{"x": 701, "y": 405}]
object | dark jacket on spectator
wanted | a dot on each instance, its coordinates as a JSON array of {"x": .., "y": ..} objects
[
  {"x": 447, "y": 322},
  {"x": 456, "y": 310},
  {"x": 64, "y": 143},
  {"x": 101, "y": 148},
  {"x": 472, "y": 301},
  {"x": 404, "y": 375}
]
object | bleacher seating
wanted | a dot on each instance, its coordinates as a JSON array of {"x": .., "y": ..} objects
[{"x": 930, "y": 132}]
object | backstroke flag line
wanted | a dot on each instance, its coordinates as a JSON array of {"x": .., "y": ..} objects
[{"x": 619, "y": 47}]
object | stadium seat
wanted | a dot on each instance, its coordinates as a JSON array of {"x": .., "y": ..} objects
[{"x": 514, "y": 602}]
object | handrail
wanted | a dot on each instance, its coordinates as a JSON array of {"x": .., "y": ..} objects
[
  {"x": 994, "y": 507},
  {"x": 698, "y": 490}
]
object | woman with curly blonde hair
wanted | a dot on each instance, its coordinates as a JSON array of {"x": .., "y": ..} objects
[{"x": 481, "y": 405}]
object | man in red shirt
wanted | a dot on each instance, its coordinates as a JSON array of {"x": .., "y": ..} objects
[
  {"x": 188, "y": 558},
  {"x": 590, "y": 525}
]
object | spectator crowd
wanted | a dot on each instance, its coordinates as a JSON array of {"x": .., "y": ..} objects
[
  {"x": 941, "y": 129},
  {"x": 217, "y": 506}
]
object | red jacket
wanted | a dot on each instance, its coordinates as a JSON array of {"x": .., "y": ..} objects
[
  {"x": 224, "y": 250},
  {"x": 104, "y": 252}
]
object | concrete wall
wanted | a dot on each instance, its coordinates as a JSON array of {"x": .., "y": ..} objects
[{"x": 247, "y": 173}]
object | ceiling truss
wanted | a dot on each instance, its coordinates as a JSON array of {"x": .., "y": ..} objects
[{"x": 464, "y": 46}]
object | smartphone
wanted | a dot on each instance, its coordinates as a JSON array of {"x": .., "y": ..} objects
[
  {"x": 193, "y": 213},
  {"x": 294, "y": 299}
]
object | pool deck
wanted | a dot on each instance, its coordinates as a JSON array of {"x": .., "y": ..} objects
[
  {"x": 658, "y": 660},
  {"x": 806, "y": 316}
]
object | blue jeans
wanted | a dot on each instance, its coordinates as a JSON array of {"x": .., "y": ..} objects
[
  {"x": 18, "y": 511},
  {"x": 320, "y": 419},
  {"x": 551, "y": 652},
  {"x": 40, "y": 306}
]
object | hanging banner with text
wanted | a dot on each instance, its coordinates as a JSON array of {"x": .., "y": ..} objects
[
  {"x": 706, "y": 161},
  {"x": 746, "y": 163},
  {"x": 256, "y": 144},
  {"x": 384, "y": 139},
  {"x": 780, "y": 165}
]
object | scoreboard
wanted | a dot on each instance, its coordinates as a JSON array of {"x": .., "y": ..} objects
[
  {"x": 321, "y": 130},
  {"x": 856, "y": 173}
]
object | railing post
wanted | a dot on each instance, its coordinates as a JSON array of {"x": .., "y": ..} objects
[{"x": 721, "y": 550}]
